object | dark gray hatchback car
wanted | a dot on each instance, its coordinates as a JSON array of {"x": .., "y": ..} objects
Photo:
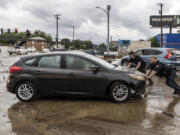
[{"x": 76, "y": 73}]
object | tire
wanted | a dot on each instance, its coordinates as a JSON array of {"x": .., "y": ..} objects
[
  {"x": 125, "y": 63},
  {"x": 22, "y": 90},
  {"x": 115, "y": 92}
]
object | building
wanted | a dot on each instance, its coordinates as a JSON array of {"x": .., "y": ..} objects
[
  {"x": 134, "y": 45},
  {"x": 37, "y": 42},
  {"x": 170, "y": 40}
]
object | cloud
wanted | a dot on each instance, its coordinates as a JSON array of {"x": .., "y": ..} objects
[{"x": 129, "y": 19}]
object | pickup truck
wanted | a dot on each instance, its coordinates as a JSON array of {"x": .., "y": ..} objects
[{"x": 17, "y": 50}]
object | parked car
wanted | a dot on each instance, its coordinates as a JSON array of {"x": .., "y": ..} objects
[
  {"x": 31, "y": 49},
  {"x": 75, "y": 73},
  {"x": 98, "y": 53},
  {"x": 164, "y": 55},
  {"x": 19, "y": 50}
]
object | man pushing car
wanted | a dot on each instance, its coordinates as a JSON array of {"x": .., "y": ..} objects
[{"x": 162, "y": 70}]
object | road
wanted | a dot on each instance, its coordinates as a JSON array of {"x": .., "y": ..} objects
[{"x": 158, "y": 114}]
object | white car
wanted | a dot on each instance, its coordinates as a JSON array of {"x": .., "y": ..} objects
[
  {"x": 17, "y": 50},
  {"x": 31, "y": 49},
  {"x": 45, "y": 50}
]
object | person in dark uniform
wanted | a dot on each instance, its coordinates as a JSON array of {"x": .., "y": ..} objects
[
  {"x": 140, "y": 64},
  {"x": 162, "y": 70}
]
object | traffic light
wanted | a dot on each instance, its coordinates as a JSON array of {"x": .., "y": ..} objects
[
  {"x": 9, "y": 31},
  {"x": 28, "y": 33},
  {"x": 2, "y": 31},
  {"x": 16, "y": 30}
]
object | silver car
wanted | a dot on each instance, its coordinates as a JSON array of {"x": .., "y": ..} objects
[{"x": 168, "y": 56}]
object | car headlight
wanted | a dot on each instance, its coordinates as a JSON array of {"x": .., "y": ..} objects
[{"x": 137, "y": 77}]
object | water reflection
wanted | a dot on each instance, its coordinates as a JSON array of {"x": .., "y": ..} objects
[{"x": 55, "y": 113}]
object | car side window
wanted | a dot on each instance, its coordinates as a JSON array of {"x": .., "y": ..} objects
[
  {"x": 49, "y": 62},
  {"x": 29, "y": 62},
  {"x": 155, "y": 52},
  {"x": 146, "y": 52},
  {"x": 77, "y": 63}
]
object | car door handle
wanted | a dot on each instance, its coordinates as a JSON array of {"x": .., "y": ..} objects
[{"x": 37, "y": 71}]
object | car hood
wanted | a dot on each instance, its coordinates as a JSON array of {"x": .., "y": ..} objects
[{"x": 127, "y": 70}]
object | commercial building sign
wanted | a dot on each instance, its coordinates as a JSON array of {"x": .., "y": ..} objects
[{"x": 167, "y": 21}]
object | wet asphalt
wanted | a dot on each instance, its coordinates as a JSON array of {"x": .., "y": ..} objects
[{"x": 158, "y": 114}]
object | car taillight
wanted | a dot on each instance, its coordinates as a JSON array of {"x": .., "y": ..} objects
[
  {"x": 168, "y": 56},
  {"x": 14, "y": 68}
]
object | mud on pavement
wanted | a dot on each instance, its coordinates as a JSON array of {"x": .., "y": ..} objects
[{"x": 158, "y": 114}]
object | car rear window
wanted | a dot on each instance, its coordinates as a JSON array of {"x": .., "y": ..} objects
[{"x": 29, "y": 62}]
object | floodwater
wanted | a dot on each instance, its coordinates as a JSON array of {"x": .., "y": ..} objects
[{"x": 158, "y": 114}]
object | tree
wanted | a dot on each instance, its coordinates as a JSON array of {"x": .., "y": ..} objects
[
  {"x": 154, "y": 42},
  {"x": 43, "y": 35},
  {"x": 13, "y": 37},
  {"x": 102, "y": 46},
  {"x": 66, "y": 43}
]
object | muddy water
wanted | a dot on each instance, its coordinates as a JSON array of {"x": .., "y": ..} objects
[{"x": 158, "y": 114}]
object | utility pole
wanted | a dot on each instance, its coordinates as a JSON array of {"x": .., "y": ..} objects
[
  {"x": 57, "y": 21},
  {"x": 161, "y": 14},
  {"x": 73, "y": 33},
  {"x": 108, "y": 9}
]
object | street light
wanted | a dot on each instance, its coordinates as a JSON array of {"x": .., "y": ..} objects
[{"x": 107, "y": 13}]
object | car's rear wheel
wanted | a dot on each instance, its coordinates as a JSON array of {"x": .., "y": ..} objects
[
  {"x": 125, "y": 63},
  {"x": 26, "y": 91},
  {"x": 119, "y": 92}
]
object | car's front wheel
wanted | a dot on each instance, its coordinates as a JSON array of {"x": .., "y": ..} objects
[
  {"x": 119, "y": 92},
  {"x": 26, "y": 91}
]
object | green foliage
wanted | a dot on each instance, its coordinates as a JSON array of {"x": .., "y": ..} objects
[
  {"x": 13, "y": 37},
  {"x": 43, "y": 35},
  {"x": 66, "y": 43},
  {"x": 154, "y": 42},
  {"x": 76, "y": 44},
  {"x": 102, "y": 46}
]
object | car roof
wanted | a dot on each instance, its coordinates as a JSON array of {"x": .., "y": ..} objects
[{"x": 78, "y": 53}]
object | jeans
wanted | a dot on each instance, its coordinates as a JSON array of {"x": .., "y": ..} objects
[{"x": 171, "y": 82}]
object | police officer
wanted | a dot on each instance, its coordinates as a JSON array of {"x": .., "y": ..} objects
[
  {"x": 162, "y": 70},
  {"x": 140, "y": 64}
]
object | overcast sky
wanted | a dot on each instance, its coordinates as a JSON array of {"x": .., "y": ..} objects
[{"x": 129, "y": 19}]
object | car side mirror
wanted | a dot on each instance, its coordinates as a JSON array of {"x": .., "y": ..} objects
[{"x": 94, "y": 69}]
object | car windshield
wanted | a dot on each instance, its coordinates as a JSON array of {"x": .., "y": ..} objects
[{"x": 100, "y": 61}]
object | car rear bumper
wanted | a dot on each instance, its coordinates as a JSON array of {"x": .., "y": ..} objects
[
  {"x": 175, "y": 66},
  {"x": 10, "y": 86}
]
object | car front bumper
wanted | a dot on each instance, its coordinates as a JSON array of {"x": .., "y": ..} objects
[{"x": 139, "y": 86}]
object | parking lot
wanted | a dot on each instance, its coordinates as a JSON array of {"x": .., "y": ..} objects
[{"x": 158, "y": 114}]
